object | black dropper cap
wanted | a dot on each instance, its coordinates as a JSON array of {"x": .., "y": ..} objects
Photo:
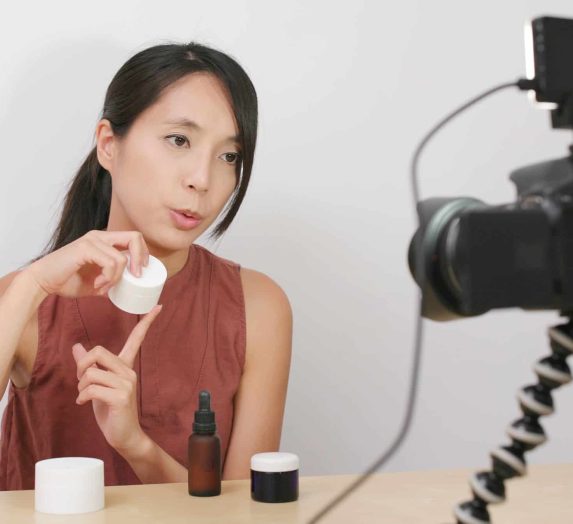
[{"x": 204, "y": 418}]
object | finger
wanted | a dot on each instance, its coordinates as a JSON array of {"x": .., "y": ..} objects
[
  {"x": 79, "y": 351},
  {"x": 121, "y": 262},
  {"x": 135, "y": 339},
  {"x": 104, "y": 359},
  {"x": 94, "y": 255},
  {"x": 103, "y": 378},
  {"x": 133, "y": 240},
  {"x": 109, "y": 396}
]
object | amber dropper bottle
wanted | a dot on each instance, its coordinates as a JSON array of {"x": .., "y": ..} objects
[{"x": 204, "y": 452}]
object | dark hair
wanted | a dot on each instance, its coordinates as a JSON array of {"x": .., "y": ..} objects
[{"x": 137, "y": 85}]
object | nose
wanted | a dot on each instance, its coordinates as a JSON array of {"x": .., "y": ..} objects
[{"x": 198, "y": 175}]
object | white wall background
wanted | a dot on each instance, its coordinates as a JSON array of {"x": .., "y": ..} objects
[{"x": 346, "y": 90}]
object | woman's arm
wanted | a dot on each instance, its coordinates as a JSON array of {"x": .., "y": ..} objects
[
  {"x": 260, "y": 400},
  {"x": 152, "y": 464},
  {"x": 20, "y": 297}
]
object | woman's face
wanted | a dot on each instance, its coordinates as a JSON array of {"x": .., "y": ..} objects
[{"x": 162, "y": 164}]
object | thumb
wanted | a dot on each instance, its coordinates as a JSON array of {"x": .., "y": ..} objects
[{"x": 78, "y": 351}]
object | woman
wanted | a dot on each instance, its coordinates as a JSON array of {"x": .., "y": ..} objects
[{"x": 174, "y": 146}]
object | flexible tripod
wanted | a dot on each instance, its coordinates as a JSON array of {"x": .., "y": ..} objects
[{"x": 525, "y": 433}]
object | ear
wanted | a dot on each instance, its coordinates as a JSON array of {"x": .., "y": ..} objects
[{"x": 105, "y": 143}]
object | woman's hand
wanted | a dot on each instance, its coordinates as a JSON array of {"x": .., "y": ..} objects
[
  {"x": 110, "y": 382},
  {"x": 79, "y": 268}
]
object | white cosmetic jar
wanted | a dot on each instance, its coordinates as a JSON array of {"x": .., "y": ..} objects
[
  {"x": 138, "y": 295},
  {"x": 69, "y": 485}
]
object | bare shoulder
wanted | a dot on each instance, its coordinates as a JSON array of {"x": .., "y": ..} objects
[
  {"x": 263, "y": 296},
  {"x": 269, "y": 321},
  {"x": 6, "y": 280}
]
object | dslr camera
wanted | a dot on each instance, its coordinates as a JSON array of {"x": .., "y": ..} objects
[{"x": 469, "y": 257}]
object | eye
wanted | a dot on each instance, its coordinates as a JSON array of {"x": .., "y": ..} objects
[
  {"x": 180, "y": 138},
  {"x": 231, "y": 158}
]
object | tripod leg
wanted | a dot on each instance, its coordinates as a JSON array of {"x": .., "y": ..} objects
[{"x": 525, "y": 433}]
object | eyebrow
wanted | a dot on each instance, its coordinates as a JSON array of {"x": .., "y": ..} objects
[{"x": 185, "y": 122}]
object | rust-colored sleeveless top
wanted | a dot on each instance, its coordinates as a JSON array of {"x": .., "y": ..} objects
[{"x": 196, "y": 342}]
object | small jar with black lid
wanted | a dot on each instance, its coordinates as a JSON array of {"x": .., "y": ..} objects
[{"x": 274, "y": 477}]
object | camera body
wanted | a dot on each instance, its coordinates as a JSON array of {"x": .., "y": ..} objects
[{"x": 477, "y": 257}]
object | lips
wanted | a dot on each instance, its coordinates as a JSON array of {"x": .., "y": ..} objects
[
  {"x": 182, "y": 221},
  {"x": 189, "y": 214}
]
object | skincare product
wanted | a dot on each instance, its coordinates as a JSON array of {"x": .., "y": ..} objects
[
  {"x": 204, "y": 452},
  {"x": 274, "y": 477},
  {"x": 69, "y": 485},
  {"x": 138, "y": 295}
]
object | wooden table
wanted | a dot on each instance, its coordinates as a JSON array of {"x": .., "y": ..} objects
[{"x": 544, "y": 496}]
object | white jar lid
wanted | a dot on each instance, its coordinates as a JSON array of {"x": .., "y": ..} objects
[
  {"x": 69, "y": 485},
  {"x": 273, "y": 462},
  {"x": 138, "y": 295}
]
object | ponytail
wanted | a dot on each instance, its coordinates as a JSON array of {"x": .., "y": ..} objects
[{"x": 86, "y": 206}]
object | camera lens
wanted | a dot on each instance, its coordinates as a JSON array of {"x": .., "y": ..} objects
[{"x": 434, "y": 257}]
